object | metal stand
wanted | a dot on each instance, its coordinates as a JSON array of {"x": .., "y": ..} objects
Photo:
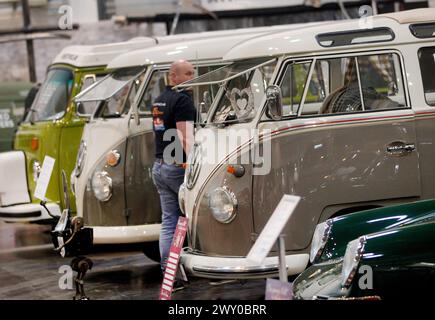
[
  {"x": 281, "y": 259},
  {"x": 81, "y": 265}
]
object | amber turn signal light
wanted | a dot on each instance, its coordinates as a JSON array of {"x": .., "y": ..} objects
[
  {"x": 112, "y": 158},
  {"x": 34, "y": 143},
  {"x": 236, "y": 170}
]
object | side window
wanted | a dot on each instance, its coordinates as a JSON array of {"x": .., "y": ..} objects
[
  {"x": 426, "y": 56},
  {"x": 293, "y": 85},
  {"x": 343, "y": 93},
  {"x": 381, "y": 82},
  {"x": 204, "y": 95},
  {"x": 355, "y": 84}
]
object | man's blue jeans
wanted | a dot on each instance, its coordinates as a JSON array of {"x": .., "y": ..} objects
[{"x": 168, "y": 179}]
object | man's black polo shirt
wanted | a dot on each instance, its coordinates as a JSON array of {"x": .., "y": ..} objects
[{"x": 168, "y": 109}]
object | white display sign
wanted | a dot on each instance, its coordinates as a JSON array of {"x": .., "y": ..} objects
[
  {"x": 44, "y": 178},
  {"x": 273, "y": 229}
]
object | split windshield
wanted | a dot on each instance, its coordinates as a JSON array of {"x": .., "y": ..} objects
[
  {"x": 241, "y": 96},
  {"x": 242, "y": 87},
  {"x": 52, "y": 99},
  {"x": 112, "y": 96}
]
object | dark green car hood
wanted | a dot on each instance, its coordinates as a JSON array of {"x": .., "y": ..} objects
[
  {"x": 352, "y": 226},
  {"x": 401, "y": 259}
]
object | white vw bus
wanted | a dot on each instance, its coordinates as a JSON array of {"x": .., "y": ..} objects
[{"x": 341, "y": 115}]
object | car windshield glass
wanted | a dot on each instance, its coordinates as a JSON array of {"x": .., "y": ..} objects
[
  {"x": 52, "y": 99},
  {"x": 109, "y": 86},
  {"x": 226, "y": 73},
  {"x": 120, "y": 103},
  {"x": 241, "y": 96}
]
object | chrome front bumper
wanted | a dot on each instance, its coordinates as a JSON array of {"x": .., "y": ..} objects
[
  {"x": 29, "y": 212},
  {"x": 238, "y": 267},
  {"x": 126, "y": 234}
]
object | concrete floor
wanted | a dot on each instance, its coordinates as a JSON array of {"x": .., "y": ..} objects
[{"x": 29, "y": 269}]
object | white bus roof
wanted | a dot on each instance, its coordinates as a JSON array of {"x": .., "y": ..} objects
[
  {"x": 200, "y": 46},
  {"x": 100, "y": 55},
  {"x": 223, "y": 33},
  {"x": 306, "y": 40}
]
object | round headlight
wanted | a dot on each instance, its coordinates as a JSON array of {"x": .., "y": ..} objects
[
  {"x": 223, "y": 205},
  {"x": 102, "y": 185},
  {"x": 351, "y": 260},
  {"x": 181, "y": 197},
  {"x": 320, "y": 238},
  {"x": 80, "y": 159}
]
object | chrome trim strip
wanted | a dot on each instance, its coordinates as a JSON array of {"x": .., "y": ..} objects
[{"x": 237, "y": 270}]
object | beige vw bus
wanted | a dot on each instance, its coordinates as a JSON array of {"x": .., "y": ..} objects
[{"x": 341, "y": 115}]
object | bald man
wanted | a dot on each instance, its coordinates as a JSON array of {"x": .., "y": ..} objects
[{"x": 173, "y": 120}]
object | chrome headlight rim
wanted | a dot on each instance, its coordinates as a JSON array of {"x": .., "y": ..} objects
[
  {"x": 320, "y": 239},
  {"x": 231, "y": 197},
  {"x": 351, "y": 260},
  {"x": 104, "y": 175},
  {"x": 80, "y": 159}
]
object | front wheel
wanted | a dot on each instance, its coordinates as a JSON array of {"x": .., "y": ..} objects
[{"x": 151, "y": 250}]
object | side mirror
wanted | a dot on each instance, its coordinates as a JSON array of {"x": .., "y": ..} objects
[{"x": 274, "y": 102}]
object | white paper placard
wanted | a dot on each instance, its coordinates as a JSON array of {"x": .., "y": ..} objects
[
  {"x": 273, "y": 229},
  {"x": 44, "y": 178},
  {"x": 278, "y": 290}
]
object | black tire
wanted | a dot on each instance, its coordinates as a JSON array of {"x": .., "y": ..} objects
[{"x": 151, "y": 250}]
